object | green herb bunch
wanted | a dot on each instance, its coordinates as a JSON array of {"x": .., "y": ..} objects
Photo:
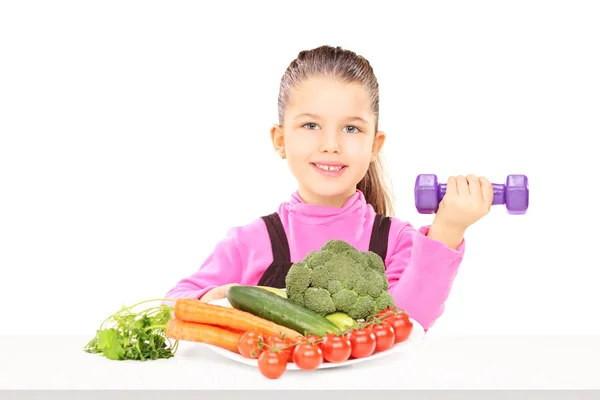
[{"x": 129, "y": 335}]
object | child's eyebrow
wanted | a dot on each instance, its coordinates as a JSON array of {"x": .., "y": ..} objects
[{"x": 314, "y": 116}]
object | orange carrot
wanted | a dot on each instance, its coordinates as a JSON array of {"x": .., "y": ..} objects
[
  {"x": 189, "y": 331},
  {"x": 193, "y": 310}
]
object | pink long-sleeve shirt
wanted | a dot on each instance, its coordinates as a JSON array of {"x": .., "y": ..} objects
[{"x": 420, "y": 270}]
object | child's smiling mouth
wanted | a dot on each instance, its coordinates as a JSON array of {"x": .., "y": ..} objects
[{"x": 329, "y": 168}]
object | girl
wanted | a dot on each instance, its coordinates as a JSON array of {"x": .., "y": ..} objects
[{"x": 328, "y": 133}]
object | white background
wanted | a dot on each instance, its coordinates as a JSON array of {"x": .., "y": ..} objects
[{"x": 135, "y": 134}]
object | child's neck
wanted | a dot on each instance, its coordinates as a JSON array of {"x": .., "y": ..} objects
[{"x": 337, "y": 201}]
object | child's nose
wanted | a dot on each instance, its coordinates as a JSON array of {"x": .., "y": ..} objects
[{"x": 331, "y": 141}]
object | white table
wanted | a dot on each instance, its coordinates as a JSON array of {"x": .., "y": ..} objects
[{"x": 462, "y": 362}]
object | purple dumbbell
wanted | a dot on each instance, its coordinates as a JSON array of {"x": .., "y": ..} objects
[{"x": 515, "y": 194}]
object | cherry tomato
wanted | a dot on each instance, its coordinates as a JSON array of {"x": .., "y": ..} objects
[
  {"x": 363, "y": 343},
  {"x": 281, "y": 343},
  {"x": 336, "y": 348},
  {"x": 384, "y": 336},
  {"x": 313, "y": 339},
  {"x": 385, "y": 313},
  {"x": 308, "y": 356},
  {"x": 272, "y": 364},
  {"x": 402, "y": 325},
  {"x": 251, "y": 344}
]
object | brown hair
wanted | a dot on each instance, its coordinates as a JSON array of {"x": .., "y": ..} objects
[{"x": 346, "y": 66}]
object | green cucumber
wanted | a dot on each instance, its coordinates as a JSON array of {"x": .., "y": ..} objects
[{"x": 282, "y": 311}]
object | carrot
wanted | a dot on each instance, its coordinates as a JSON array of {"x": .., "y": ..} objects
[
  {"x": 189, "y": 331},
  {"x": 193, "y": 310}
]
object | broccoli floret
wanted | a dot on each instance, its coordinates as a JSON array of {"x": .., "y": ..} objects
[
  {"x": 337, "y": 246},
  {"x": 375, "y": 262},
  {"x": 297, "y": 298},
  {"x": 363, "y": 307},
  {"x": 374, "y": 282},
  {"x": 362, "y": 287},
  {"x": 338, "y": 277},
  {"x": 317, "y": 258},
  {"x": 344, "y": 300},
  {"x": 297, "y": 279},
  {"x": 319, "y": 300},
  {"x": 357, "y": 256},
  {"x": 384, "y": 301},
  {"x": 344, "y": 270},
  {"x": 320, "y": 277},
  {"x": 334, "y": 287}
]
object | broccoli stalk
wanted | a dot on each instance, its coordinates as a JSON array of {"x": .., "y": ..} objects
[{"x": 340, "y": 278}]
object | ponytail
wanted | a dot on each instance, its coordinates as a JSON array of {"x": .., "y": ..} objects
[{"x": 376, "y": 190}]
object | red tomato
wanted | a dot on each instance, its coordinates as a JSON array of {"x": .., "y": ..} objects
[
  {"x": 313, "y": 339},
  {"x": 272, "y": 364},
  {"x": 363, "y": 342},
  {"x": 336, "y": 348},
  {"x": 386, "y": 312},
  {"x": 250, "y": 344},
  {"x": 283, "y": 344},
  {"x": 384, "y": 336},
  {"x": 402, "y": 325},
  {"x": 308, "y": 356}
]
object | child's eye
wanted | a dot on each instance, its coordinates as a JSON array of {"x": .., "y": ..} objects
[
  {"x": 353, "y": 129},
  {"x": 310, "y": 125}
]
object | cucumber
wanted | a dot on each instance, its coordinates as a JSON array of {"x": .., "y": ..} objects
[{"x": 282, "y": 311}]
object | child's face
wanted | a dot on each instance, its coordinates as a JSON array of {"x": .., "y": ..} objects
[{"x": 328, "y": 125}]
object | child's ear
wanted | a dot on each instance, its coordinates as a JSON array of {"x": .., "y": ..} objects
[
  {"x": 378, "y": 142},
  {"x": 277, "y": 139}
]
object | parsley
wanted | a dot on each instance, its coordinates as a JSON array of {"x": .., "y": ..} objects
[{"x": 127, "y": 335}]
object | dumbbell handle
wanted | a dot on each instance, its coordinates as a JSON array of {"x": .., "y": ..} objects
[{"x": 499, "y": 192}]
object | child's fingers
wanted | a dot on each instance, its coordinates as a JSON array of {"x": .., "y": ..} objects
[
  {"x": 474, "y": 186},
  {"x": 462, "y": 186},
  {"x": 451, "y": 186},
  {"x": 487, "y": 191}
]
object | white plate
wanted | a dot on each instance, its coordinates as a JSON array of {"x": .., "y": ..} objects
[{"x": 416, "y": 336}]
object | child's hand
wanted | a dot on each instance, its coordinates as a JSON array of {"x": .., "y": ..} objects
[
  {"x": 220, "y": 292},
  {"x": 466, "y": 201}
]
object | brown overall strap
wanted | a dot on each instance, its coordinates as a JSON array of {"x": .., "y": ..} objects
[
  {"x": 380, "y": 235},
  {"x": 275, "y": 274},
  {"x": 279, "y": 242}
]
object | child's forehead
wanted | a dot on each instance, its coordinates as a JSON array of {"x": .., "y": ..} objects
[{"x": 327, "y": 97}]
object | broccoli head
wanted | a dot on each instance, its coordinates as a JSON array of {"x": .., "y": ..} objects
[{"x": 338, "y": 277}]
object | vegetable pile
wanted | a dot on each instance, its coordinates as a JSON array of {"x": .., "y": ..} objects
[
  {"x": 340, "y": 278},
  {"x": 335, "y": 307}
]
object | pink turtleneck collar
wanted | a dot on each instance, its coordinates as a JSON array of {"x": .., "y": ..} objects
[{"x": 355, "y": 206}]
